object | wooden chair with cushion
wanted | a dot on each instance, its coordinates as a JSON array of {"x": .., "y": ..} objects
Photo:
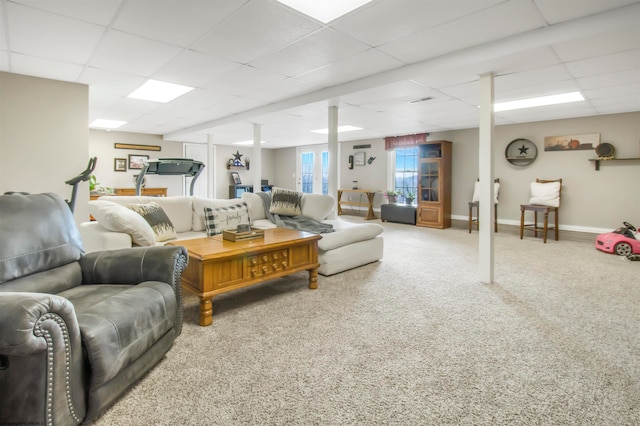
[
  {"x": 475, "y": 203},
  {"x": 545, "y": 198}
]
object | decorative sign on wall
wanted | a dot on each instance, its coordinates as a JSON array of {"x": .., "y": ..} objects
[
  {"x": 571, "y": 142},
  {"x": 359, "y": 158},
  {"x": 362, "y": 146},
  {"x": 138, "y": 147}
]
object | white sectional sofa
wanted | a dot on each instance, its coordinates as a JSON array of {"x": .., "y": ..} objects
[{"x": 350, "y": 246}]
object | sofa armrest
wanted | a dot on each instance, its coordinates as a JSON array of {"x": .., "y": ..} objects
[
  {"x": 96, "y": 237},
  {"x": 136, "y": 265},
  {"x": 40, "y": 338}
]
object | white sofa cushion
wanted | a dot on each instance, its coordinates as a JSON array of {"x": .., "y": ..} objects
[
  {"x": 178, "y": 208},
  {"x": 118, "y": 218},
  {"x": 199, "y": 203},
  {"x": 256, "y": 208},
  {"x": 348, "y": 233},
  {"x": 317, "y": 206}
]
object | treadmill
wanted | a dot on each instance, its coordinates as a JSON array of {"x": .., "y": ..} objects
[{"x": 170, "y": 166}]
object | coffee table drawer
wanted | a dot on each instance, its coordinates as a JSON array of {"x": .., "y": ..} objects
[{"x": 267, "y": 263}]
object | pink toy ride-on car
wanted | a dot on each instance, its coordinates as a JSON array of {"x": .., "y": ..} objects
[{"x": 623, "y": 241}]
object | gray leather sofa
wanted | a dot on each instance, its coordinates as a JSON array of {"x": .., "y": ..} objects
[{"x": 77, "y": 331}]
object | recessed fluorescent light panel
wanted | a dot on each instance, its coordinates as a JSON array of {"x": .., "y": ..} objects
[
  {"x": 101, "y": 123},
  {"x": 341, "y": 129},
  {"x": 541, "y": 101},
  {"x": 324, "y": 11},
  {"x": 159, "y": 91},
  {"x": 245, "y": 143}
]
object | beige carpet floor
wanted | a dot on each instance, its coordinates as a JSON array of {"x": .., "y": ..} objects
[{"x": 414, "y": 339}]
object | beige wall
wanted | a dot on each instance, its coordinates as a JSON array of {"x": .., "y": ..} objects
[
  {"x": 101, "y": 145},
  {"x": 591, "y": 201},
  {"x": 44, "y": 136}
]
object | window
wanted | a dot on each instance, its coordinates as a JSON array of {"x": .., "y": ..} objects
[{"x": 406, "y": 173}]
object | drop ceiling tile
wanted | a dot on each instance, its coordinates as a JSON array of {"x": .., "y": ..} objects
[
  {"x": 317, "y": 50},
  {"x": 244, "y": 80},
  {"x": 283, "y": 89},
  {"x": 372, "y": 24},
  {"x": 97, "y": 12},
  {"x": 194, "y": 69},
  {"x": 405, "y": 89},
  {"x": 494, "y": 23},
  {"x": 351, "y": 68},
  {"x": 110, "y": 81},
  {"x": 131, "y": 54},
  {"x": 258, "y": 28},
  {"x": 544, "y": 89},
  {"x": 46, "y": 68},
  {"x": 4, "y": 61},
  {"x": 57, "y": 37},
  {"x": 234, "y": 105},
  {"x": 532, "y": 77},
  {"x": 555, "y": 11},
  {"x": 614, "y": 92},
  {"x": 174, "y": 22},
  {"x": 601, "y": 44},
  {"x": 605, "y": 64},
  {"x": 200, "y": 98},
  {"x": 610, "y": 79}
]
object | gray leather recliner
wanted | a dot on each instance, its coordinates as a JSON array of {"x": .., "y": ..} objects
[{"x": 77, "y": 331}]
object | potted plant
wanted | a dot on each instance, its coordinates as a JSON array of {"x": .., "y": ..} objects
[
  {"x": 409, "y": 196},
  {"x": 392, "y": 196}
]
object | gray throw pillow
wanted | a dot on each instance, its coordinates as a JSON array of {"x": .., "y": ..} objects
[
  {"x": 156, "y": 217},
  {"x": 286, "y": 202}
]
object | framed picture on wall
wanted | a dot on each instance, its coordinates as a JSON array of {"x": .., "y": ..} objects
[
  {"x": 119, "y": 164},
  {"x": 236, "y": 178},
  {"x": 358, "y": 158},
  {"x": 137, "y": 161}
]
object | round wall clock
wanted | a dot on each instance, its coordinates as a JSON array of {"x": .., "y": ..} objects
[{"x": 521, "y": 152}]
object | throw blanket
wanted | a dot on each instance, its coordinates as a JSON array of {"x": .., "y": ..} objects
[{"x": 299, "y": 223}]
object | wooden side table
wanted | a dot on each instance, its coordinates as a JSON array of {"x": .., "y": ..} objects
[{"x": 369, "y": 204}]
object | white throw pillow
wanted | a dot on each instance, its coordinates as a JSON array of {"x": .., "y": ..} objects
[
  {"x": 225, "y": 218},
  {"x": 285, "y": 202},
  {"x": 117, "y": 218},
  {"x": 476, "y": 192},
  {"x": 545, "y": 194},
  {"x": 199, "y": 203}
]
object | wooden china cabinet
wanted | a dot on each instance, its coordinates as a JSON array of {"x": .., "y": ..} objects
[{"x": 434, "y": 184}]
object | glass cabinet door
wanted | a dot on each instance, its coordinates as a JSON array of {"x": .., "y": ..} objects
[{"x": 429, "y": 182}]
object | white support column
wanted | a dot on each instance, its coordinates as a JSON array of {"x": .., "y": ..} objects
[
  {"x": 333, "y": 156},
  {"x": 256, "y": 162},
  {"x": 485, "y": 209},
  {"x": 211, "y": 169}
]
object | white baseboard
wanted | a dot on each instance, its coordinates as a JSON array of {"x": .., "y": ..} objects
[{"x": 574, "y": 228}]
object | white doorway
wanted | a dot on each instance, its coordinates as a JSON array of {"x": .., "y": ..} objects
[{"x": 312, "y": 169}]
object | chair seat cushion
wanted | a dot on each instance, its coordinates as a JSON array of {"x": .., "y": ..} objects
[{"x": 119, "y": 323}]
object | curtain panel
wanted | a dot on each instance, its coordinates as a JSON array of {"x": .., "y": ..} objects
[{"x": 393, "y": 142}]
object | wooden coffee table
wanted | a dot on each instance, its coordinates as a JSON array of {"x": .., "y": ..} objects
[{"x": 217, "y": 266}]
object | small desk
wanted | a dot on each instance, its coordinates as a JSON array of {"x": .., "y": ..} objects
[{"x": 370, "y": 194}]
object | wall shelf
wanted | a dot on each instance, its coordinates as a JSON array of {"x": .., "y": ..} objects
[{"x": 598, "y": 160}]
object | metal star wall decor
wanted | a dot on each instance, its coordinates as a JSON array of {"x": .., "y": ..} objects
[
  {"x": 523, "y": 149},
  {"x": 237, "y": 159}
]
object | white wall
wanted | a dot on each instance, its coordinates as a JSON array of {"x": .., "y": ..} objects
[
  {"x": 223, "y": 175},
  {"x": 43, "y": 137}
]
